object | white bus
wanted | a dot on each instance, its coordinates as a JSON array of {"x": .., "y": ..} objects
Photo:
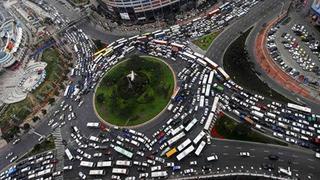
[
  {"x": 224, "y": 74},
  {"x": 97, "y": 172},
  {"x": 159, "y": 174},
  {"x": 299, "y": 108},
  {"x": 190, "y": 56},
  {"x": 215, "y": 104},
  {"x": 200, "y": 148},
  {"x": 184, "y": 144},
  {"x": 208, "y": 89},
  {"x": 202, "y": 62},
  {"x": 176, "y": 138},
  {"x": 201, "y": 104},
  {"x": 211, "y": 75},
  {"x": 86, "y": 164},
  {"x": 123, "y": 163},
  {"x": 211, "y": 63},
  {"x": 104, "y": 164},
  {"x": 205, "y": 78},
  {"x": 199, "y": 137},
  {"x": 185, "y": 152},
  {"x": 120, "y": 171},
  {"x": 191, "y": 124},
  {"x": 69, "y": 155},
  {"x": 208, "y": 122}
]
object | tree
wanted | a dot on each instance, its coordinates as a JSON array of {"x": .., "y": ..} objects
[
  {"x": 26, "y": 126},
  {"x": 100, "y": 98},
  {"x": 52, "y": 100},
  {"x": 44, "y": 112},
  {"x": 35, "y": 118}
]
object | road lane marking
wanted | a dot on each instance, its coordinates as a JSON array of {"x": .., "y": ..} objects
[
  {"x": 226, "y": 146},
  {"x": 238, "y": 147},
  {"x": 266, "y": 151},
  {"x": 311, "y": 167},
  {"x": 310, "y": 160},
  {"x": 252, "y": 149}
]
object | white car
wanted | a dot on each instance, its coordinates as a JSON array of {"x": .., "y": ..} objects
[
  {"x": 193, "y": 163},
  {"x": 189, "y": 171},
  {"x": 244, "y": 154},
  {"x": 82, "y": 175},
  {"x": 50, "y": 122},
  {"x": 67, "y": 167},
  {"x": 318, "y": 155},
  {"x": 13, "y": 159},
  {"x": 9, "y": 155}
]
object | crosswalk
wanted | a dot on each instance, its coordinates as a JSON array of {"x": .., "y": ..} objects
[{"x": 60, "y": 151}]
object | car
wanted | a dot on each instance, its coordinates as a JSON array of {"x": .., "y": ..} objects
[
  {"x": 16, "y": 141},
  {"x": 67, "y": 167},
  {"x": 40, "y": 138},
  {"x": 13, "y": 158},
  {"x": 142, "y": 169},
  {"x": 82, "y": 175},
  {"x": 170, "y": 164},
  {"x": 57, "y": 173},
  {"x": 189, "y": 171},
  {"x": 193, "y": 163},
  {"x": 9, "y": 155},
  {"x": 244, "y": 154},
  {"x": 317, "y": 155},
  {"x": 273, "y": 157}
]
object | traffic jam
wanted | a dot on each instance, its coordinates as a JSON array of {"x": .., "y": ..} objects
[{"x": 204, "y": 91}]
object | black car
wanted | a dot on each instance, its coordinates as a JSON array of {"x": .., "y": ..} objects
[
  {"x": 273, "y": 157},
  {"x": 267, "y": 166},
  {"x": 142, "y": 169}
]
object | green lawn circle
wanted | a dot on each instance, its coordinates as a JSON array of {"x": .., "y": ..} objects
[{"x": 121, "y": 103}]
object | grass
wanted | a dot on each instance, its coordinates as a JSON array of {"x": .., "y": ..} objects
[
  {"x": 242, "y": 71},
  {"x": 230, "y": 129},
  {"x": 46, "y": 145},
  {"x": 205, "y": 41},
  {"x": 136, "y": 109}
]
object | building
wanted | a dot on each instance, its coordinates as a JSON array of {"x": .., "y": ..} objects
[
  {"x": 144, "y": 10},
  {"x": 315, "y": 8}
]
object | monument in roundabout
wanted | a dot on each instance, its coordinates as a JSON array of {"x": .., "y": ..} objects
[{"x": 134, "y": 91}]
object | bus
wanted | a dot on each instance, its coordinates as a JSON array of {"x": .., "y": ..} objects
[
  {"x": 208, "y": 122},
  {"x": 66, "y": 92},
  {"x": 179, "y": 46},
  {"x": 191, "y": 124},
  {"x": 159, "y": 174},
  {"x": 97, "y": 172},
  {"x": 86, "y": 164},
  {"x": 123, "y": 151},
  {"x": 200, "y": 148},
  {"x": 215, "y": 104},
  {"x": 190, "y": 56},
  {"x": 199, "y": 137},
  {"x": 176, "y": 138},
  {"x": 211, "y": 75},
  {"x": 123, "y": 163},
  {"x": 161, "y": 42},
  {"x": 120, "y": 171},
  {"x": 171, "y": 152},
  {"x": 208, "y": 89},
  {"x": 212, "y": 64},
  {"x": 69, "y": 155},
  {"x": 202, "y": 62},
  {"x": 185, "y": 152},
  {"x": 104, "y": 164},
  {"x": 184, "y": 144},
  {"x": 224, "y": 74},
  {"x": 299, "y": 108},
  {"x": 201, "y": 104}
]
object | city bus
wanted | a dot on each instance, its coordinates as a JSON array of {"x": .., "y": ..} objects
[
  {"x": 171, "y": 152},
  {"x": 69, "y": 155}
]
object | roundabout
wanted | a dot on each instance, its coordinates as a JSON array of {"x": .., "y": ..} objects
[{"x": 134, "y": 91}]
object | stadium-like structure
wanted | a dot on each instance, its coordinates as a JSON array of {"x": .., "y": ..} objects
[{"x": 145, "y": 10}]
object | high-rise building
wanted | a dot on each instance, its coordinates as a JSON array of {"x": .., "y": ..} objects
[
  {"x": 144, "y": 10},
  {"x": 315, "y": 7}
]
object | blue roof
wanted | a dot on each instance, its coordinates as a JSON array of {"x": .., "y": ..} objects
[{"x": 316, "y": 7}]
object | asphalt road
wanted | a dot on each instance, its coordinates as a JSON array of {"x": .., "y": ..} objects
[{"x": 302, "y": 162}]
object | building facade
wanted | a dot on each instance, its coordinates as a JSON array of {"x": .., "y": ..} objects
[{"x": 144, "y": 10}]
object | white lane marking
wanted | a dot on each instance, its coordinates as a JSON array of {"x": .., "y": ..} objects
[
  {"x": 238, "y": 147},
  {"x": 311, "y": 167},
  {"x": 310, "y": 159},
  {"x": 281, "y": 153},
  {"x": 226, "y": 146},
  {"x": 252, "y": 149},
  {"x": 266, "y": 151}
]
